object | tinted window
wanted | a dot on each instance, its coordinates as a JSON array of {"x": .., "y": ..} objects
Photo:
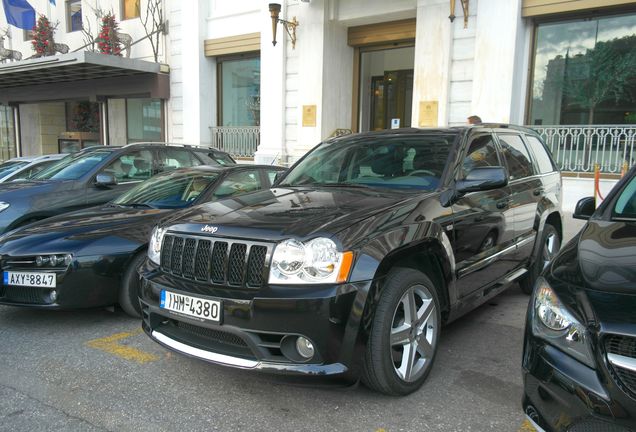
[
  {"x": 9, "y": 167},
  {"x": 398, "y": 162},
  {"x": 544, "y": 161},
  {"x": 516, "y": 155},
  {"x": 626, "y": 202},
  {"x": 132, "y": 166},
  {"x": 482, "y": 152},
  {"x": 212, "y": 157},
  {"x": 271, "y": 175},
  {"x": 173, "y": 190},
  {"x": 239, "y": 182},
  {"x": 178, "y": 158},
  {"x": 73, "y": 167}
]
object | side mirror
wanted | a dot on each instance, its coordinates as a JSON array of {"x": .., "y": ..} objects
[
  {"x": 483, "y": 179},
  {"x": 105, "y": 180},
  {"x": 585, "y": 208}
]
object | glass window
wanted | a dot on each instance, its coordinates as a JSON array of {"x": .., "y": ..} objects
[
  {"x": 240, "y": 95},
  {"x": 11, "y": 166},
  {"x": 144, "y": 120},
  {"x": 516, "y": 155},
  {"x": 172, "y": 158},
  {"x": 172, "y": 190},
  {"x": 482, "y": 152},
  {"x": 214, "y": 157},
  {"x": 271, "y": 175},
  {"x": 396, "y": 162},
  {"x": 74, "y": 15},
  {"x": 32, "y": 170},
  {"x": 130, "y": 167},
  {"x": 626, "y": 203},
  {"x": 546, "y": 165},
  {"x": 237, "y": 183},
  {"x": 73, "y": 167},
  {"x": 585, "y": 72},
  {"x": 7, "y": 133},
  {"x": 130, "y": 9}
]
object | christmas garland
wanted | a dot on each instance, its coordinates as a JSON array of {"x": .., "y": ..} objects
[
  {"x": 42, "y": 41},
  {"x": 107, "y": 40}
]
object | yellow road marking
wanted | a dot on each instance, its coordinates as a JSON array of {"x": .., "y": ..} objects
[
  {"x": 526, "y": 426},
  {"x": 111, "y": 345}
]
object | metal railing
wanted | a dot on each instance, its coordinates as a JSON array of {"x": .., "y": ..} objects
[
  {"x": 579, "y": 148},
  {"x": 239, "y": 141}
]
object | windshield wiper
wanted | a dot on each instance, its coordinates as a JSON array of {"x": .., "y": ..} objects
[{"x": 136, "y": 205}]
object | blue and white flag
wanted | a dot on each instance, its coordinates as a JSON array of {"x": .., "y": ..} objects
[
  {"x": 52, "y": 2},
  {"x": 19, "y": 13}
]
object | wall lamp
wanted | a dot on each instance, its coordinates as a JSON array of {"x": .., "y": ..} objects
[
  {"x": 290, "y": 26},
  {"x": 464, "y": 8}
]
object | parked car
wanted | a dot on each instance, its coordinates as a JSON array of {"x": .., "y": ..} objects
[
  {"x": 579, "y": 360},
  {"x": 351, "y": 263},
  {"x": 93, "y": 176},
  {"x": 23, "y": 168},
  {"x": 90, "y": 257}
]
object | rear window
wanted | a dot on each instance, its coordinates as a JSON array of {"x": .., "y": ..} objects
[
  {"x": 516, "y": 155},
  {"x": 544, "y": 161}
]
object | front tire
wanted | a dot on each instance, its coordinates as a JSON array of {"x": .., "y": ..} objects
[
  {"x": 129, "y": 291},
  {"x": 548, "y": 249},
  {"x": 404, "y": 334}
]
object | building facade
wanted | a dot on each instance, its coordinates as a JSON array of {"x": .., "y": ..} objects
[{"x": 354, "y": 65}]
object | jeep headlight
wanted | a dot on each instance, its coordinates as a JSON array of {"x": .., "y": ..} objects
[
  {"x": 4, "y": 205},
  {"x": 154, "y": 248},
  {"x": 317, "y": 261},
  {"x": 556, "y": 325}
]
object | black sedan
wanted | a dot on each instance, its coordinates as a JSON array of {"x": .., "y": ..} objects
[
  {"x": 579, "y": 361},
  {"x": 89, "y": 258}
]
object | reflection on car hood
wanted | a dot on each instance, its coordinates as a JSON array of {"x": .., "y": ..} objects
[
  {"x": 73, "y": 231},
  {"x": 601, "y": 257},
  {"x": 282, "y": 213}
]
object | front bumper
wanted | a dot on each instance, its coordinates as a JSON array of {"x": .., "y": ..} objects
[
  {"x": 257, "y": 325},
  {"x": 562, "y": 394}
]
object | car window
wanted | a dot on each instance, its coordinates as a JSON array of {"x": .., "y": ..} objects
[
  {"x": 384, "y": 161},
  {"x": 516, "y": 155},
  {"x": 214, "y": 157},
  {"x": 238, "y": 182},
  {"x": 544, "y": 161},
  {"x": 73, "y": 167},
  {"x": 626, "y": 203},
  {"x": 32, "y": 170},
  {"x": 169, "y": 190},
  {"x": 9, "y": 167},
  {"x": 172, "y": 158},
  {"x": 271, "y": 175},
  {"x": 481, "y": 152},
  {"x": 134, "y": 166}
]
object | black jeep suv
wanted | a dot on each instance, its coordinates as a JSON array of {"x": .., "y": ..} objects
[{"x": 355, "y": 258}]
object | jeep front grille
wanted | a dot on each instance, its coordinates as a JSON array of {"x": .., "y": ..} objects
[
  {"x": 622, "y": 347},
  {"x": 240, "y": 264}
]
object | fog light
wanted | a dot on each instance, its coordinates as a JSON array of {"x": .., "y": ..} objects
[
  {"x": 39, "y": 260},
  {"x": 53, "y": 296},
  {"x": 304, "y": 347},
  {"x": 68, "y": 259}
]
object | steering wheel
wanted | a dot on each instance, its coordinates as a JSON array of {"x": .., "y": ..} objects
[{"x": 422, "y": 171}]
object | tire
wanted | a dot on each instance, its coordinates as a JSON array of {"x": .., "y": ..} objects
[
  {"x": 551, "y": 244},
  {"x": 388, "y": 367},
  {"x": 129, "y": 291}
]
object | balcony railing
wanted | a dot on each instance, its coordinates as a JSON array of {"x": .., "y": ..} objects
[
  {"x": 239, "y": 141},
  {"x": 579, "y": 148}
]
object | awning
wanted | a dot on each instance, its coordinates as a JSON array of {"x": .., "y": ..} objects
[{"x": 82, "y": 75}]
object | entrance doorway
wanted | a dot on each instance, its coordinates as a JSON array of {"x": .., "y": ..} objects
[{"x": 386, "y": 88}]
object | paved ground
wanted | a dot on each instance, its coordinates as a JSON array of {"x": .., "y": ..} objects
[{"x": 96, "y": 371}]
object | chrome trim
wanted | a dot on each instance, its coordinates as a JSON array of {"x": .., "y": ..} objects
[
  {"x": 514, "y": 275},
  {"x": 624, "y": 362},
  {"x": 526, "y": 240},
  {"x": 449, "y": 251},
  {"x": 207, "y": 355},
  {"x": 484, "y": 262},
  {"x": 534, "y": 425},
  {"x": 302, "y": 369}
]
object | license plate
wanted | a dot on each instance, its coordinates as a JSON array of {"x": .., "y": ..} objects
[
  {"x": 30, "y": 279},
  {"x": 192, "y": 306}
]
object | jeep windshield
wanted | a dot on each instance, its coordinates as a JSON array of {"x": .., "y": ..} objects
[
  {"x": 73, "y": 167},
  {"x": 413, "y": 162}
]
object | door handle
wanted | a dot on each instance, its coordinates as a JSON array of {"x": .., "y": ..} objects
[{"x": 537, "y": 192}]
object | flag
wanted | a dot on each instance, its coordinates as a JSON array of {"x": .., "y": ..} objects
[
  {"x": 52, "y": 2},
  {"x": 19, "y": 13}
]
